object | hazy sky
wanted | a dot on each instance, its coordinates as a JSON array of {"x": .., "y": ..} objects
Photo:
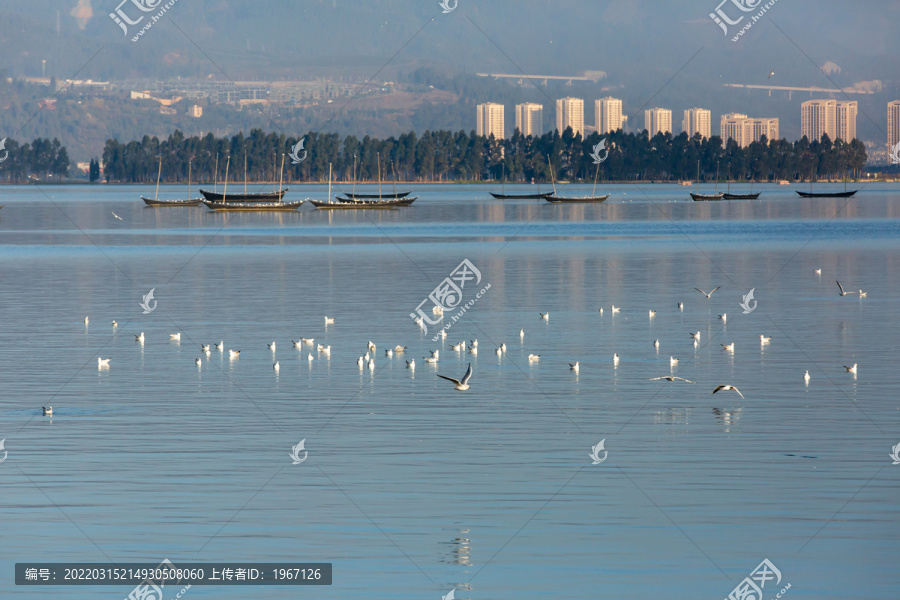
[{"x": 669, "y": 54}]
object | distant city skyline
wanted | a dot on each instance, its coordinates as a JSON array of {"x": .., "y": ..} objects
[
  {"x": 570, "y": 113},
  {"x": 658, "y": 120},
  {"x": 490, "y": 120},
  {"x": 697, "y": 120}
]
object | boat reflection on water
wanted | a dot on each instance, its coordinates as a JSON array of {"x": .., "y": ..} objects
[{"x": 460, "y": 551}]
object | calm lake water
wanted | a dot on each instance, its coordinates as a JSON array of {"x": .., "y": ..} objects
[{"x": 412, "y": 488}]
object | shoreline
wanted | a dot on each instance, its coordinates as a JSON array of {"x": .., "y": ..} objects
[{"x": 390, "y": 187}]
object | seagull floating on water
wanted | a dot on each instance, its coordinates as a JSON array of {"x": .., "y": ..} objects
[
  {"x": 399, "y": 349},
  {"x": 615, "y": 359},
  {"x": 234, "y": 353},
  {"x": 433, "y": 358},
  {"x": 199, "y": 363},
  {"x": 727, "y": 388},
  {"x": 389, "y": 353},
  {"x": 220, "y": 346},
  {"x": 764, "y": 340},
  {"x": 806, "y": 377},
  {"x": 656, "y": 343},
  {"x": 329, "y": 320},
  {"x": 863, "y": 294},
  {"x": 652, "y": 313},
  {"x": 534, "y": 357},
  {"x": 309, "y": 341},
  {"x": 272, "y": 346},
  {"x": 728, "y": 347},
  {"x": 574, "y": 366},
  {"x": 297, "y": 345},
  {"x": 521, "y": 333},
  {"x": 461, "y": 384},
  {"x": 371, "y": 346},
  {"x": 473, "y": 350},
  {"x": 310, "y": 357},
  {"x": 545, "y": 316},
  {"x": 503, "y": 347},
  {"x": 175, "y": 336},
  {"x": 204, "y": 348},
  {"x": 87, "y": 320},
  {"x": 102, "y": 362},
  {"x": 851, "y": 369},
  {"x": 277, "y": 366},
  {"x": 709, "y": 294},
  {"x": 696, "y": 336},
  {"x": 681, "y": 306},
  {"x": 818, "y": 271},
  {"x": 672, "y": 378},
  {"x": 458, "y": 347},
  {"x": 673, "y": 361},
  {"x": 499, "y": 351},
  {"x": 115, "y": 324},
  {"x": 601, "y": 311},
  {"x": 48, "y": 411},
  {"x": 360, "y": 362},
  {"x": 614, "y": 309},
  {"x": 475, "y": 343},
  {"x": 724, "y": 317},
  {"x": 411, "y": 364},
  {"x": 371, "y": 365},
  {"x": 139, "y": 338}
]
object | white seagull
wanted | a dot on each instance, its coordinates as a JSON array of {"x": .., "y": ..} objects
[
  {"x": 276, "y": 366},
  {"x": 399, "y": 349},
  {"x": 727, "y": 388},
  {"x": 806, "y": 377},
  {"x": 696, "y": 336},
  {"x": 360, "y": 362},
  {"x": 728, "y": 347},
  {"x": 297, "y": 345},
  {"x": 199, "y": 363},
  {"x": 656, "y": 343},
  {"x": 851, "y": 369},
  {"x": 309, "y": 341},
  {"x": 545, "y": 316},
  {"x": 329, "y": 320},
  {"x": 681, "y": 306},
  {"x": 139, "y": 338},
  {"x": 709, "y": 294},
  {"x": 458, "y": 347},
  {"x": 102, "y": 362},
  {"x": 220, "y": 346},
  {"x": 503, "y": 347},
  {"x": 652, "y": 313},
  {"x": 534, "y": 357},
  {"x": 601, "y": 311},
  {"x": 615, "y": 359},
  {"x": 117, "y": 216},
  {"x": 310, "y": 357},
  {"x": 818, "y": 271},
  {"x": 389, "y": 353},
  {"x": 234, "y": 353},
  {"x": 204, "y": 348},
  {"x": 461, "y": 384},
  {"x": 475, "y": 343},
  {"x": 371, "y": 346},
  {"x": 673, "y": 361},
  {"x": 521, "y": 334},
  {"x": 672, "y": 378},
  {"x": 272, "y": 346},
  {"x": 574, "y": 366},
  {"x": 87, "y": 320},
  {"x": 115, "y": 324},
  {"x": 863, "y": 294},
  {"x": 48, "y": 411},
  {"x": 371, "y": 365},
  {"x": 499, "y": 351},
  {"x": 840, "y": 287},
  {"x": 433, "y": 358},
  {"x": 175, "y": 336},
  {"x": 473, "y": 350},
  {"x": 724, "y": 318},
  {"x": 614, "y": 309},
  {"x": 411, "y": 364}
]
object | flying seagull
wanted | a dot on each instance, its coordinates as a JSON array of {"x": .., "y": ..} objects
[
  {"x": 771, "y": 74},
  {"x": 851, "y": 369},
  {"x": 461, "y": 384},
  {"x": 843, "y": 293},
  {"x": 727, "y": 388},
  {"x": 709, "y": 294},
  {"x": 671, "y": 378},
  {"x": 117, "y": 216}
]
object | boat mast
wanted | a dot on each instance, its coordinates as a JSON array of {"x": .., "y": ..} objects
[
  {"x": 245, "y": 173},
  {"x": 354, "y": 177},
  {"x": 157, "y": 177},
  {"x": 717, "y": 179},
  {"x": 394, "y": 182},
  {"x": 379, "y": 175},
  {"x": 216, "y": 175},
  {"x": 225, "y": 193},
  {"x": 281, "y": 180},
  {"x": 329, "y": 182},
  {"x": 594, "y": 193},
  {"x": 503, "y": 180},
  {"x": 189, "y": 180},
  {"x": 274, "y": 166},
  {"x": 698, "y": 176},
  {"x": 552, "y": 178}
]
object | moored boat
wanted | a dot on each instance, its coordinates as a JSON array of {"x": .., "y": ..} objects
[
  {"x": 728, "y": 196},
  {"x": 574, "y": 200},
  {"x": 158, "y": 202},
  {"x": 346, "y": 204},
  {"x": 516, "y": 196},
  {"x": 384, "y": 196},
  {"x": 253, "y": 206},
  {"x": 826, "y": 194},
  {"x": 244, "y": 197},
  {"x": 706, "y": 197}
]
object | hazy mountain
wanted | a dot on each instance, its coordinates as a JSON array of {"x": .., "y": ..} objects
[{"x": 644, "y": 46}]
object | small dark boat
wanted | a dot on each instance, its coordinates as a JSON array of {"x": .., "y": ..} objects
[
  {"x": 728, "y": 196},
  {"x": 582, "y": 200},
  {"x": 346, "y": 203},
  {"x": 705, "y": 197},
  {"x": 384, "y": 196},
  {"x": 826, "y": 194},
  {"x": 251, "y": 197},
  {"x": 158, "y": 202},
  {"x": 253, "y": 206},
  {"x": 516, "y": 196}
]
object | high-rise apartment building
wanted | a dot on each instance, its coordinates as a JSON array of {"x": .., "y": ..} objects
[
  {"x": 489, "y": 120},
  {"x": 609, "y": 114},
  {"x": 893, "y": 120},
  {"x": 817, "y": 118},
  {"x": 530, "y": 118},
  {"x": 744, "y": 130},
  {"x": 697, "y": 120},
  {"x": 658, "y": 120},
  {"x": 845, "y": 120},
  {"x": 570, "y": 113}
]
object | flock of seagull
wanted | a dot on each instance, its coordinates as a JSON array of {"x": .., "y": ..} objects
[{"x": 462, "y": 384}]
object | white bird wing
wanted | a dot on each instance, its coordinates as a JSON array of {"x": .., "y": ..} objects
[
  {"x": 468, "y": 375},
  {"x": 738, "y": 392},
  {"x": 456, "y": 381}
]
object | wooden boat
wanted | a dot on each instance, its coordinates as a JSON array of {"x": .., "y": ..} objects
[
  {"x": 391, "y": 202},
  {"x": 387, "y": 196},
  {"x": 704, "y": 197},
  {"x": 583, "y": 200},
  {"x": 158, "y": 202},
  {"x": 358, "y": 204},
  {"x": 253, "y": 206},
  {"x": 251, "y": 197},
  {"x": 517, "y": 196},
  {"x": 728, "y": 196},
  {"x": 826, "y": 194}
]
